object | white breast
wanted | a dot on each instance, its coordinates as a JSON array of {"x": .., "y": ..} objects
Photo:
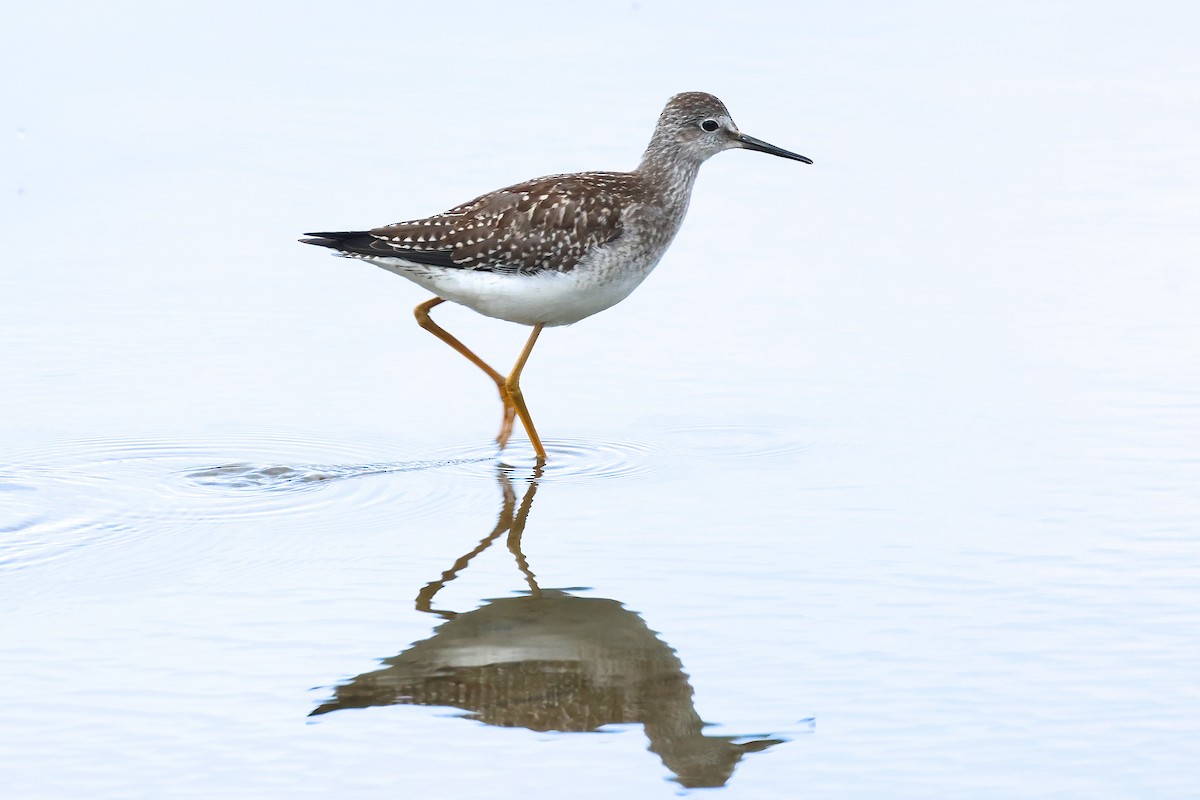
[{"x": 599, "y": 281}]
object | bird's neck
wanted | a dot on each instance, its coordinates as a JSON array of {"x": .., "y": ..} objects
[{"x": 669, "y": 175}]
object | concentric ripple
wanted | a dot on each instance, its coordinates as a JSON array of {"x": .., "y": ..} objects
[
  {"x": 50, "y": 508},
  {"x": 568, "y": 460},
  {"x": 69, "y": 494},
  {"x": 310, "y": 476}
]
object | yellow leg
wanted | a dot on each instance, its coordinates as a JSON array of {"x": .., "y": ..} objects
[
  {"x": 424, "y": 320},
  {"x": 513, "y": 385}
]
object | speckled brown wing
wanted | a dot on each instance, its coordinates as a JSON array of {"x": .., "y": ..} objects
[{"x": 544, "y": 224}]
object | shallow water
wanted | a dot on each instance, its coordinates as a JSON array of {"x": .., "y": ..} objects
[{"x": 883, "y": 485}]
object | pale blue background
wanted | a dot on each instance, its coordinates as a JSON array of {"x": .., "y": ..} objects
[{"x": 899, "y": 451}]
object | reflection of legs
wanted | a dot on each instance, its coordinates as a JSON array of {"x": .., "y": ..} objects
[
  {"x": 513, "y": 385},
  {"x": 503, "y": 523},
  {"x": 512, "y": 521},
  {"x": 518, "y": 528},
  {"x": 424, "y": 320}
]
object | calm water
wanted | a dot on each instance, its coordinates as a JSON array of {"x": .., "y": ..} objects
[{"x": 885, "y": 484}]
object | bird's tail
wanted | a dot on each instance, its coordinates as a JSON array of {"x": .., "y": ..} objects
[{"x": 338, "y": 240}]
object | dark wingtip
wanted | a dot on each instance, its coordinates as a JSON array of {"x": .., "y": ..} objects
[{"x": 330, "y": 238}]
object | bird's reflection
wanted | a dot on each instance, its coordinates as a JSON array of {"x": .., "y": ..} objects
[{"x": 550, "y": 661}]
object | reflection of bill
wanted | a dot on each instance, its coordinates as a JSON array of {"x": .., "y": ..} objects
[{"x": 551, "y": 661}]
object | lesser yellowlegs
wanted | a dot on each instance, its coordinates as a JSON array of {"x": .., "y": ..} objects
[{"x": 554, "y": 250}]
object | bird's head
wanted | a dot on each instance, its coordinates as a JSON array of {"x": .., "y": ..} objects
[{"x": 697, "y": 126}]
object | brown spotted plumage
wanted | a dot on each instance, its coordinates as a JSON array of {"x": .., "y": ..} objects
[
  {"x": 544, "y": 224},
  {"x": 554, "y": 250}
]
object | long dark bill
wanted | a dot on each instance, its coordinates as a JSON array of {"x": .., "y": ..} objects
[{"x": 750, "y": 143}]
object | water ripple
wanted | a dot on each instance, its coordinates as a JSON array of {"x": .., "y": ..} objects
[
  {"x": 568, "y": 460},
  {"x": 69, "y": 494}
]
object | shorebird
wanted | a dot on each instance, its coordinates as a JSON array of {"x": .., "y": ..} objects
[{"x": 554, "y": 250}]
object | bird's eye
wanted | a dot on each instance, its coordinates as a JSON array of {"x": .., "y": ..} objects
[{"x": 710, "y": 125}]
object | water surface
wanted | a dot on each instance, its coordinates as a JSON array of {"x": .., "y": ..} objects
[{"x": 883, "y": 485}]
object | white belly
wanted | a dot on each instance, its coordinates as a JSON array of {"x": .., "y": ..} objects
[{"x": 548, "y": 298}]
